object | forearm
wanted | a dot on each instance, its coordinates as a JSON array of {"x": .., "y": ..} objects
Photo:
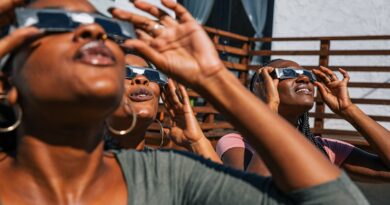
[
  {"x": 377, "y": 136},
  {"x": 286, "y": 153},
  {"x": 204, "y": 148}
]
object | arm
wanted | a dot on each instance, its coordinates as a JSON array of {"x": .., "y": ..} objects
[
  {"x": 186, "y": 130},
  {"x": 334, "y": 92},
  {"x": 184, "y": 51}
]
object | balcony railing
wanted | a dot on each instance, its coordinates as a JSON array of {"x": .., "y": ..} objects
[{"x": 214, "y": 125}]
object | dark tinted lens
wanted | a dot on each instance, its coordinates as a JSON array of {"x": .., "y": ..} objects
[
  {"x": 112, "y": 28},
  {"x": 310, "y": 75},
  {"x": 290, "y": 73},
  {"x": 54, "y": 20},
  {"x": 152, "y": 75},
  {"x": 129, "y": 73}
]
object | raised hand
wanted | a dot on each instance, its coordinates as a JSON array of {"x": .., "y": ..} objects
[
  {"x": 16, "y": 39},
  {"x": 333, "y": 91},
  {"x": 180, "y": 48},
  {"x": 269, "y": 89},
  {"x": 185, "y": 130},
  {"x": 7, "y": 11}
]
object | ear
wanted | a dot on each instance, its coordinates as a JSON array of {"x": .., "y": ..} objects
[{"x": 12, "y": 96}]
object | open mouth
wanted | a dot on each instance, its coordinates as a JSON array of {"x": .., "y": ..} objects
[
  {"x": 303, "y": 90},
  {"x": 140, "y": 95},
  {"x": 95, "y": 53}
]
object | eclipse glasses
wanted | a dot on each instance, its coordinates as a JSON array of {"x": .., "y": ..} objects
[
  {"x": 59, "y": 20},
  {"x": 287, "y": 73},
  {"x": 152, "y": 74}
]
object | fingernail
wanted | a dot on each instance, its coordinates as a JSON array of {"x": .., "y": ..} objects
[{"x": 111, "y": 9}]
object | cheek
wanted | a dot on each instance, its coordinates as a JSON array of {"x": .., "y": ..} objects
[{"x": 285, "y": 92}]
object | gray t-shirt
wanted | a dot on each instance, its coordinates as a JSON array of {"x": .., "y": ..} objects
[{"x": 171, "y": 177}]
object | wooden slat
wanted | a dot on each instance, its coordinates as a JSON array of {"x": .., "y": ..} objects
[
  {"x": 368, "y": 85},
  {"x": 334, "y": 116},
  {"x": 317, "y": 53},
  {"x": 332, "y": 38},
  {"x": 205, "y": 109},
  {"x": 217, "y": 125},
  {"x": 365, "y": 101},
  {"x": 231, "y": 49},
  {"x": 353, "y": 68},
  {"x": 226, "y": 34},
  {"x": 235, "y": 66}
]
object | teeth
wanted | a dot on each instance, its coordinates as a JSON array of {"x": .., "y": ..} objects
[{"x": 304, "y": 90}]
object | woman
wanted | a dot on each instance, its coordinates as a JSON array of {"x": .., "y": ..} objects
[
  {"x": 292, "y": 98},
  {"x": 68, "y": 83},
  {"x": 143, "y": 95}
]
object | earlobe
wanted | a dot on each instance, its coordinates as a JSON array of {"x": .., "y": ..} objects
[{"x": 12, "y": 96}]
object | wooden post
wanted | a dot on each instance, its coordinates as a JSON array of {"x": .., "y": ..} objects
[
  {"x": 320, "y": 106},
  {"x": 245, "y": 60}
]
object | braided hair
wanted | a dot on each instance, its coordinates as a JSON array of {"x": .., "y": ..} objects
[
  {"x": 304, "y": 128},
  {"x": 303, "y": 120}
]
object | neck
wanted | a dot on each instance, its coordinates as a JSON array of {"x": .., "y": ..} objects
[
  {"x": 292, "y": 118},
  {"x": 62, "y": 162},
  {"x": 133, "y": 140}
]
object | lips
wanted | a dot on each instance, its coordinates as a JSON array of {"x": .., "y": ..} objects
[
  {"x": 140, "y": 95},
  {"x": 303, "y": 89},
  {"x": 95, "y": 53}
]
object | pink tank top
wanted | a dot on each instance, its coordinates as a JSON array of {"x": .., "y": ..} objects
[{"x": 337, "y": 150}]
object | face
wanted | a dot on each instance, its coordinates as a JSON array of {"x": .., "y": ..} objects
[
  {"x": 72, "y": 72},
  {"x": 296, "y": 94},
  {"x": 141, "y": 93}
]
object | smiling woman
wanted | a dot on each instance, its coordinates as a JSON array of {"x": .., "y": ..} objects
[
  {"x": 288, "y": 90},
  {"x": 67, "y": 83}
]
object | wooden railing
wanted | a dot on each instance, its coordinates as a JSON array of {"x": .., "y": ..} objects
[{"x": 214, "y": 125}]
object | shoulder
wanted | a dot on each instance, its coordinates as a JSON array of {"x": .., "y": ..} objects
[
  {"x": 229, "y": 141},
  {"x": 337, "y": 150}
]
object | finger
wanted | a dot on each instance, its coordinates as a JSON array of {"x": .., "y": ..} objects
[
  {"x": 168, "y": 94},
  {"x": 143, "y": 36},
  {"x": 144, "y": 49},
  {"x": 139, "y": 21},
  {"x": 265, "y": 72},
  {"x": 172, "y": 88},
  {"x": 321, "y": 88},
  {"x": 333, "y": 76},
  {"x": 16, "y": 39},
  {"x": 149, "y": 8},
  {"x": 163, "y": 17},
  {"x": 184, "y": 94},
  {"x": 321, "y": 76},
  {"x": 168, "y": 21},
  {"x": 7, "y": 5},
  {"x": 181, "y": 13},
  {"x": 345, "y": 75}
]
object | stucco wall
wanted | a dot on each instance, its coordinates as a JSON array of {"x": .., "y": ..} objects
[{"x": 339, "y": 18}]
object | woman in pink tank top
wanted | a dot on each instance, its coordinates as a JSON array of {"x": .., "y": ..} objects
[{"x": 288, "y": 90}]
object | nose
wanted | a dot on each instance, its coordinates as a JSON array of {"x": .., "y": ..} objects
[
  {"x": 89, "y": 32},
  {"x": 140, "y": 80},
  {"x": 302, "y": 79}
]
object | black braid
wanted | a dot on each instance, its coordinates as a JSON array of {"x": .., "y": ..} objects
[{"x": 304, "y": 127}]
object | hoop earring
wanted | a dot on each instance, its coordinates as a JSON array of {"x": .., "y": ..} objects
[
  {"x": 19, "y": 115},
  {"x": 128, "y": 107},
  {"x": 162, "y": 133}
]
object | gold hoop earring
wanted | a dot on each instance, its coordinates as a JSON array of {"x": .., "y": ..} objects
[
  {"x": 19, "y": 115},
  {"x": 130, "y": 111},
  {"x": 162, "y": 133}
]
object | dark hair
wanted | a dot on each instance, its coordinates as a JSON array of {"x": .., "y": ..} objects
[
  {"x": 303, "y": 121},
  {"x": 304, "y": 128}
]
